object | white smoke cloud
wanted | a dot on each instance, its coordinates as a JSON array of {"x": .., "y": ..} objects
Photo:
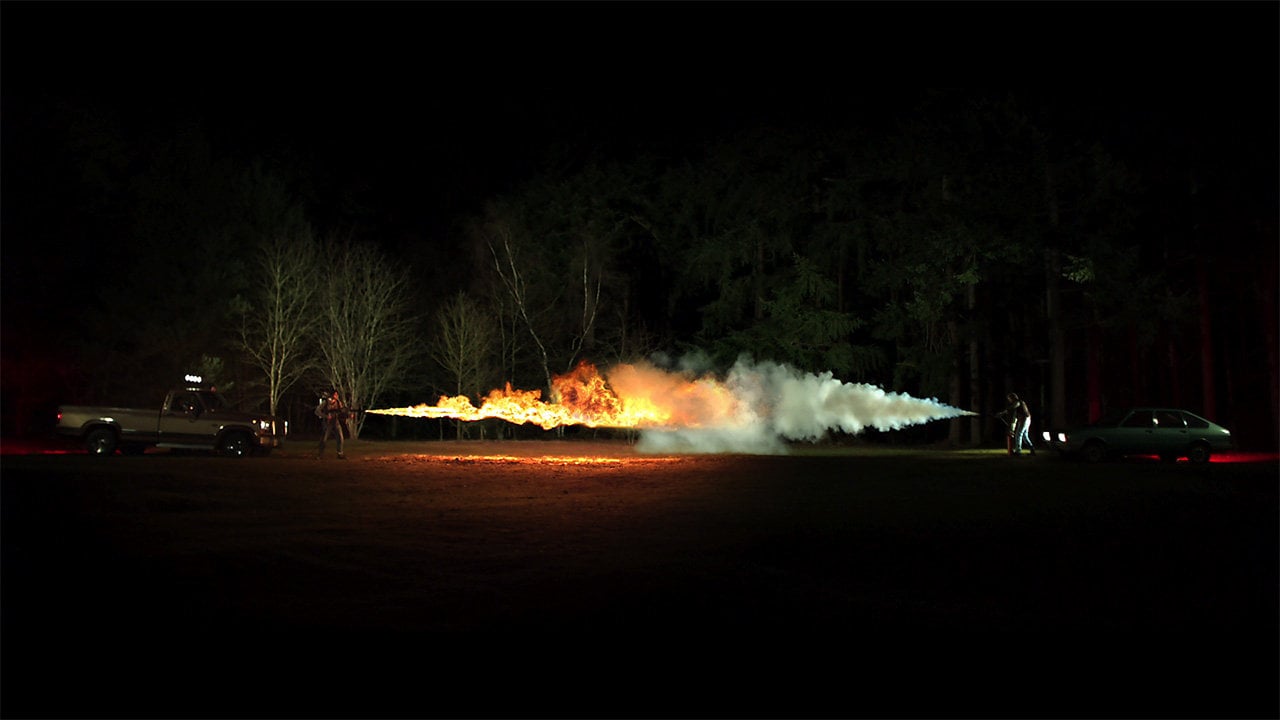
[
  {"x": 772, "y": 403},
  {"x": 753, "y": 439}
]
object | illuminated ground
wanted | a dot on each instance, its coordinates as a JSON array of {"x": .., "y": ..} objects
[{"x": 526, "y": 579}]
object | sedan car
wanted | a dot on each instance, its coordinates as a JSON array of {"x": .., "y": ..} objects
[{"x": 1168, "y": 433}]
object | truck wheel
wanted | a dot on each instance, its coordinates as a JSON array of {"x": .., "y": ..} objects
[
  {"x": 100, "y": 441},
  {"x": 237, "y": 445}
]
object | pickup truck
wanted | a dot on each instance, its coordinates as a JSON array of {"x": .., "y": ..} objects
[{"x": 191, "y": 417}]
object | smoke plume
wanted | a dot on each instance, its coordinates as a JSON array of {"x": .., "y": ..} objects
[{"x": 759, "y": 406}]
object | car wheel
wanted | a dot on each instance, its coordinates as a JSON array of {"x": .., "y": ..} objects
[
  {"x": 237, "y": 445},
  {"x": 101, "y": 441},
  {"x": 1094, "y": 451},
  {"x": 1198, "y": 453}
]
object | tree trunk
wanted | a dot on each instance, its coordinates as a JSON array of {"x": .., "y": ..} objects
[
  {"x": 757, "y": 279},
  {"x": 956, "y": 352},
  {"x": 975, "y": 371},
  {"x": 1093, "y": 379},
  {"x": 1053, "y": 309},
  {"x": 1137, "y": 387},
  {"x": 1270, "y": 340},
  {"x": 1175, "y": 372},
  {"x": 1206, "y": 345}
]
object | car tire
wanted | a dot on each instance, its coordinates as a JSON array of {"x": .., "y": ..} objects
[
  {"x": 1094, "y": 451},
  {"x": 1198, "y": 453},
  {"x": 237, "y": 445},
  {"x": 101, "y": 441}
]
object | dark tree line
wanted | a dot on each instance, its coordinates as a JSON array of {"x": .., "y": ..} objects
[
  {"x": 960, "y": 246},
  {"x": 982, "y": 245},
  {"x": 142, "y": 247}
]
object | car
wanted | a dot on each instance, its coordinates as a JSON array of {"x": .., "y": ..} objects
[{"x": 1168, "y": 433}]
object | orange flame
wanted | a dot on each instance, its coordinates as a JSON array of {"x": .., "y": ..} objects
[{"x": 634, "y": 398}]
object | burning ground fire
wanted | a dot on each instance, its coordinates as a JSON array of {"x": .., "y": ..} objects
[{"x": 753, "y": 409}]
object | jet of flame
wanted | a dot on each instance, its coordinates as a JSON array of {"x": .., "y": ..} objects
[{"x": 752, "y": 409}]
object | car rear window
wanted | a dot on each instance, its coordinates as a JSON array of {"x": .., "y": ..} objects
[{"x": 1195, "y": 422}]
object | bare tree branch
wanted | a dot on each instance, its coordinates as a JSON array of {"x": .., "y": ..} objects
[
  {"x": 369, "y": 341},
  {"x": 278, "y": 322},
  {"x": 508, "y": 269},
  {"x": 465, "y": 342}
]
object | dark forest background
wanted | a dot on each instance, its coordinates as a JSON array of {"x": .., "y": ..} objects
[{"x": 1087, "y": 241}]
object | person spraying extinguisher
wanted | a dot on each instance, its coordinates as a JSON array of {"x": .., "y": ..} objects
[{"x": 1017, "y": 419}]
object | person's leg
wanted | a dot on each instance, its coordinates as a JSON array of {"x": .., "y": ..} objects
[{"x": 338, "y": 429}]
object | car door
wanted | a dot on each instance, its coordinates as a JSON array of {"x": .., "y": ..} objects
[
  {"x": 180, "y": 423},
  {"x": 1219, "y": 438},
  {"x": 1169, "y": 432},
  {"x": 1134, "y": 433}
]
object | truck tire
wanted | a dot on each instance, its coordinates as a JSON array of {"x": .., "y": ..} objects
[
  {"x": 101, "y": 441},
  {"x": 237, "y": 444}
]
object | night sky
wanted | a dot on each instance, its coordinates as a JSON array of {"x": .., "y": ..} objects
[
  {"x": 472, "y": 91},
  {"x": 449, "y": 102},
  {"x": 432, "y": 108}
]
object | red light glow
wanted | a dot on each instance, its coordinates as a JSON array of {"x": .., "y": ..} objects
[
  {"x": 539, "y": 460},
  {"x": 1227, "y": 457}
]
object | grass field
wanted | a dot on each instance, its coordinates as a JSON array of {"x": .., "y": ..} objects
[{"x": 576, "y": 579}]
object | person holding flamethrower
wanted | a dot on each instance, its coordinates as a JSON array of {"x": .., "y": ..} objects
[{"x": 333, "y": 413}]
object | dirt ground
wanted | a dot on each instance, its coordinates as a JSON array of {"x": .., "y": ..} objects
[{"x": 574, "y": 579}]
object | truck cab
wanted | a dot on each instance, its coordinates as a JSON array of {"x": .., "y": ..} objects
[{"x": 197, "y": 417}]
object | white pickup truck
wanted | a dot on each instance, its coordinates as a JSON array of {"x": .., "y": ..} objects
[{"x": 191, "y": 417}]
